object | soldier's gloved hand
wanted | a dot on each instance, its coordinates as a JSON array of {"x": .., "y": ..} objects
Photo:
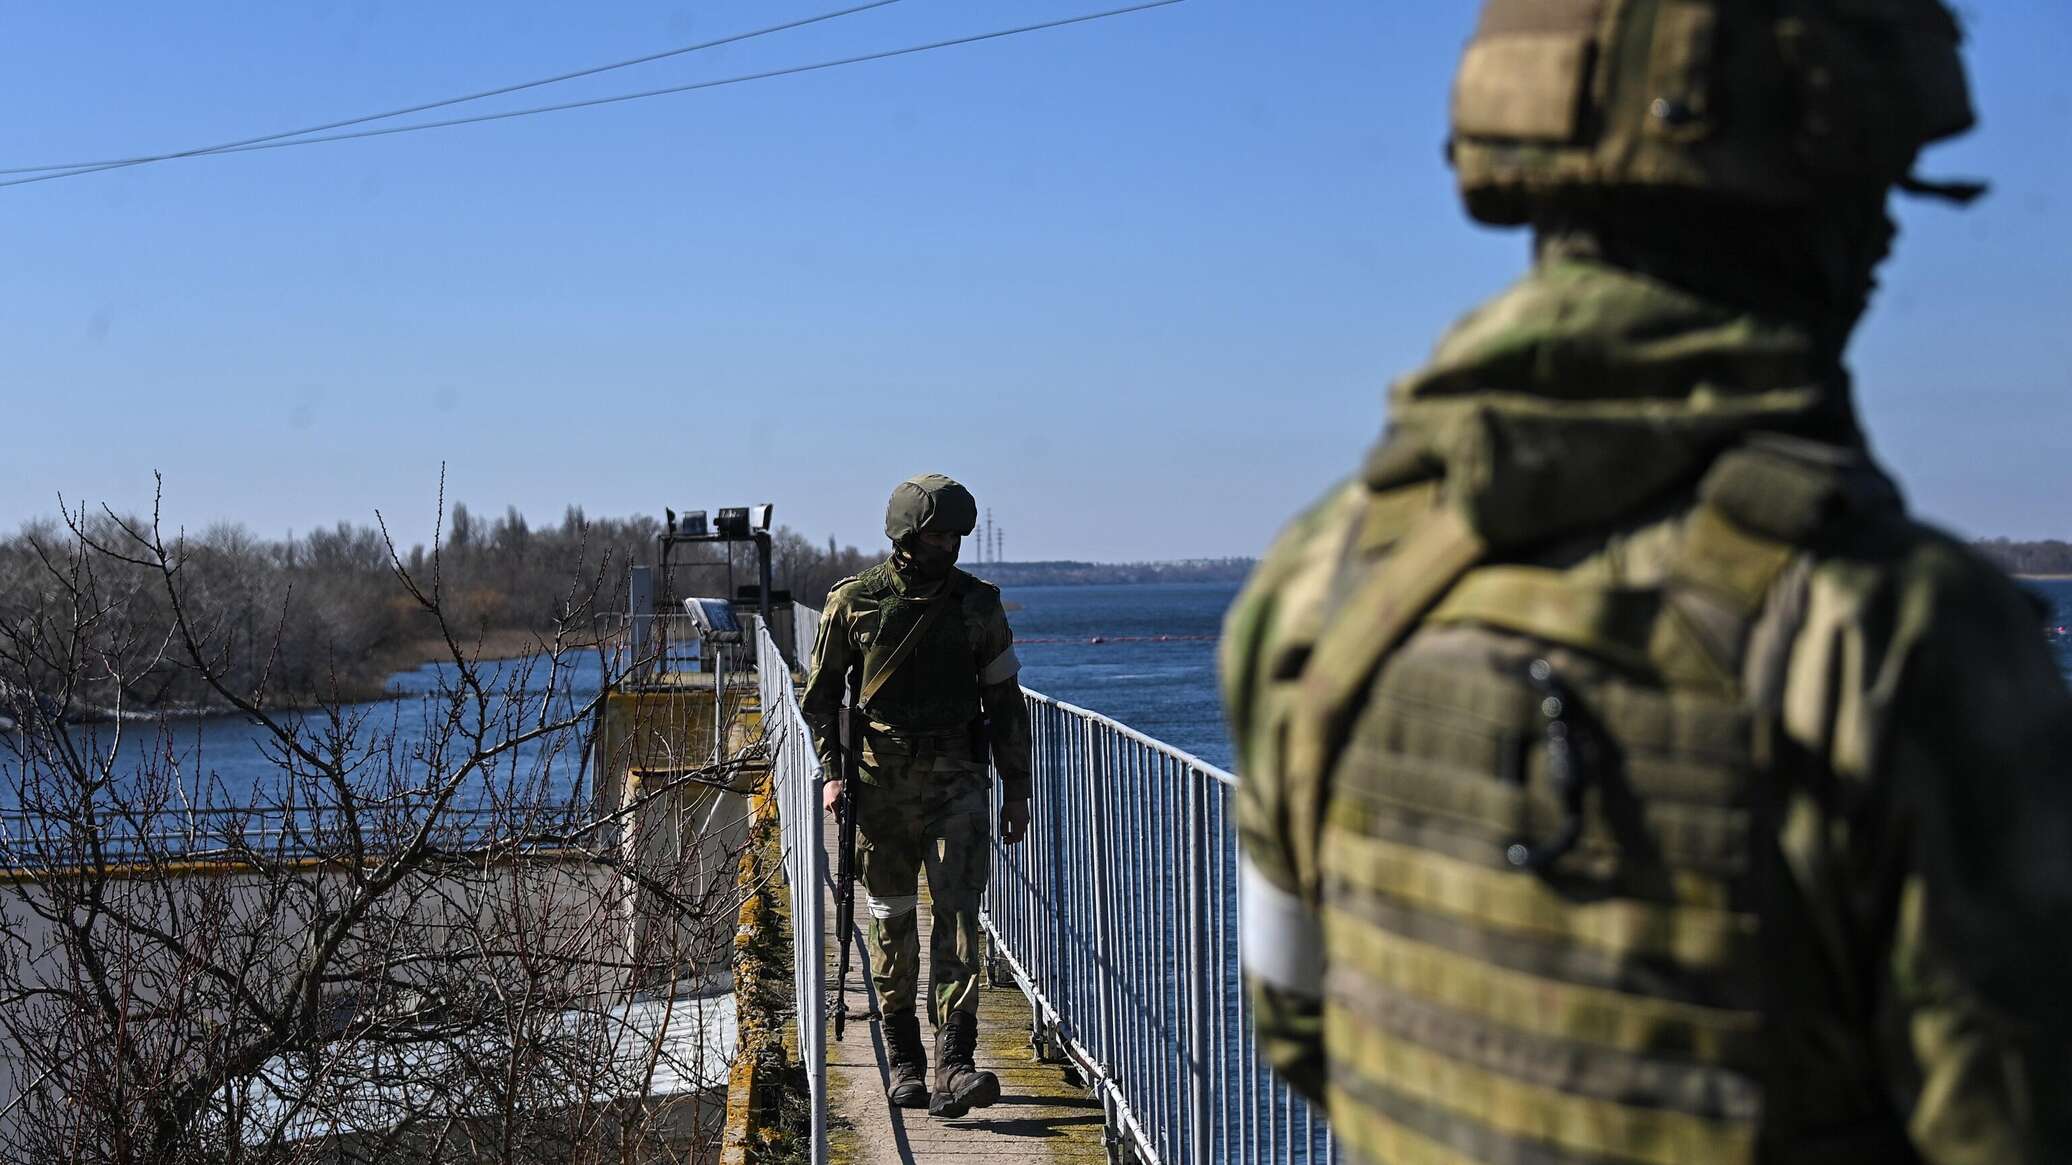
[
  {"x": 1014, "y": 821},
  {"x": 830, "y": 793}
]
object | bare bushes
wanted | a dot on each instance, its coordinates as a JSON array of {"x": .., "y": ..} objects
[
  {"x": 319, "y": 617},
  {"x": 412, "y": 941},
  {"x": 810, "y": 570}
]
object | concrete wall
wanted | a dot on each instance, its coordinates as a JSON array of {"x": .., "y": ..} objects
[{"x": 668, "y": 929}]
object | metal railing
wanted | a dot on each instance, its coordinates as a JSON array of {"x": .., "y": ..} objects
[
  {"x": 32, "y": 839},
  {"x": 795, "y": 776},
  {"x": 805, "y": 630},
  {"x": 669, "y": 644},
  {"x": 1118, "y": 918}
]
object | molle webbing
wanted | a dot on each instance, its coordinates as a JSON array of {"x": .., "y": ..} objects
[
  {"x": 1611, "y": 1003},
  {"x": 886, "y": 664},
  {"x": 1369, "y": 619},
  {"x": 934, "y": 686}
]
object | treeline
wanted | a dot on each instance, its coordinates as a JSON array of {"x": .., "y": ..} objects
[
  {"x": 1030, "y": 574},
  {"x": 95, "y": 611},
  {"x": 2047, "y": 557}
]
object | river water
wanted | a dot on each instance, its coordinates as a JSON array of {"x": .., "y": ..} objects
[
  {"x": 1153, "y": 667},
  {"x": 1143, "y": 654}
]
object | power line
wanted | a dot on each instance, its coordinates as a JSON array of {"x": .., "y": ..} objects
[
  {"x": 788, "y": 71},
  {"x": 736, "y": 38}
]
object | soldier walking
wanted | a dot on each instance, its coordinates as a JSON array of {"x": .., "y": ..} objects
[
  {"x": 1624, "y": 775},
  {"x": 933, "y": 659}
]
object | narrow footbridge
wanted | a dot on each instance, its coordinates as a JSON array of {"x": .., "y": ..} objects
[{"x": 1115, "y": 1016}]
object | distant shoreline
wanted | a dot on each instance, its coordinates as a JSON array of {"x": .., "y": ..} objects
[
  {"x": 1070, "y": 573},
  {"x": 507, "y": 643},
  {"x": 2027, "y": 577}
]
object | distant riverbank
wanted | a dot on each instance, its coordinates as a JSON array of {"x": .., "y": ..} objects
[
  {"x": 509, "y": 643},
  {"x": 1070, "y": 573}
]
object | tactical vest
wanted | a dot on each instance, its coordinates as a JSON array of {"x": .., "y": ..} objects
[
  {"x": 936, "y": 687},
  {"x": 1551, "y": 857}
]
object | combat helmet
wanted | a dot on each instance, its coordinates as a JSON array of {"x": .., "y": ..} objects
[
  {"x": 1570, "y": 104},
  {"x": 929, "y": 501}
]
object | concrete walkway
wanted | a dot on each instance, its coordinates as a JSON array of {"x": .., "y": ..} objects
[{"x": 1041, "y": 1116}]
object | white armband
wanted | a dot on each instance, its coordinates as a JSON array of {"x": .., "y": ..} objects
[
  {"x": 1003, "y": 668},
  {"x": 1282, "y": 943}
]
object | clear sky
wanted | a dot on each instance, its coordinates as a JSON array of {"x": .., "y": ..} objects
[{"x": 1141, "y": 283}]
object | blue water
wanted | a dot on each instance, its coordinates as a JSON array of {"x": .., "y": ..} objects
[
  {"x": 394, "y": 744},
  {"x": 2058, "y": 594},
  {"x": 1163, "y": 688}
]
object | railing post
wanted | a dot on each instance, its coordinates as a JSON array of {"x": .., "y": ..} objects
[
  {"x": 792, "y": 773},
  {"x": 1199, "y": 1132},
  {"x": 1171, "y": 1093},
  {"x": 1093, "y": 876}
]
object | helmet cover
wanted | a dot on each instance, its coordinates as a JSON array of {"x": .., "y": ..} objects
[
  {"x": 929, "y": 502},
  {"x": 1568, "y": 104}
]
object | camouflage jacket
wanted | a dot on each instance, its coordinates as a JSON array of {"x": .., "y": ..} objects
[
  {"x": 851, "y": 621},
  {"x": 1927, "y": 828}
]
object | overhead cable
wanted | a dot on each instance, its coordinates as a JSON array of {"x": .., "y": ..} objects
[
  {"x": 478, "y": 119},
  {"x": 736, "y": 38}
]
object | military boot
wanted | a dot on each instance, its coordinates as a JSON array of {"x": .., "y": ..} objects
[
  {"x": 908, "y": 1086},
  {"x": 959, "y": 1085}
]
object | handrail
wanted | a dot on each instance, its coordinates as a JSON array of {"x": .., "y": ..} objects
[
  {"x": 1118, "y": 917},
  {"x": 795, "y": 772}
]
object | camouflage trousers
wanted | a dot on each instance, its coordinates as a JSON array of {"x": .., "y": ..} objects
[{"x": 923, "y": 805}]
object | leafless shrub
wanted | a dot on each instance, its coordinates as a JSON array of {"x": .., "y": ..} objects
[
  {"x": 320, "y": 616},
  {"x": 411, "y": 938}
]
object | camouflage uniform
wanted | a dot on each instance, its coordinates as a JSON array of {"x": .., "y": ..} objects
[
  {"x": 929, "y": 721},
  {"x": 1624, "y": 776},
  {"x": 924, "y": 804}
]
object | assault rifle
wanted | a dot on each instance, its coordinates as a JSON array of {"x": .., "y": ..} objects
[{"x": 851, "y": 736}]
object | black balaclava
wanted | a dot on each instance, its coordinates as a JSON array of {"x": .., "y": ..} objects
[{"x": 917, "y": 559}]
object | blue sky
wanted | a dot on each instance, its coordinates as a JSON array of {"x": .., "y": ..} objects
[{"x": 1141, "y": 283}]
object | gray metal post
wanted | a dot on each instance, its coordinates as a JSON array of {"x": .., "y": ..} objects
[
  {"x": 1095, "y": 880},
  {"x": 1099, "y": 875},
  {"x": 640, "y": 612},
  {"x": 719, "y": 700},
  {"x": 762, "y": 553},
  {"x": 1197, "y": 1003}
]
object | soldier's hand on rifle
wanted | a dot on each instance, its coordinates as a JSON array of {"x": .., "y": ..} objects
[
  {"x": 1014, "y": 821},
  {"x": 831, "y": 794}
]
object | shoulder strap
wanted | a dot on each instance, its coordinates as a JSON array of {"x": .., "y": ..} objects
[
  {"x": 1377, "y": 612},
  {"x": 951, "y": 593},
  {"x": 874, "y": 581},
  {"x": 1761, "y": 507},
  {"x": 1789, "y": 488}
]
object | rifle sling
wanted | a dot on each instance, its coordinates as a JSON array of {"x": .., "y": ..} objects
[{"x": 906, "y": 647}]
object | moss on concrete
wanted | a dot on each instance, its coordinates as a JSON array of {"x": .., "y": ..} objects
[{"x": 767, "y": 1121}]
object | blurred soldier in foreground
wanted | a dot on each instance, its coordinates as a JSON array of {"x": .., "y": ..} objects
[
  {"x": 933, "y": 658},
  {"x": 1625, "y": 777}
]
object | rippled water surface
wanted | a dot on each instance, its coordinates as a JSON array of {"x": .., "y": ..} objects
[
  {"x": 2058, "y": 594},
  {"x": 1154, "y": 668}
]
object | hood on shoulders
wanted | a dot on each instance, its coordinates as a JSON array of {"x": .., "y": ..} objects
[{"x": 1585, "y": 392}]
